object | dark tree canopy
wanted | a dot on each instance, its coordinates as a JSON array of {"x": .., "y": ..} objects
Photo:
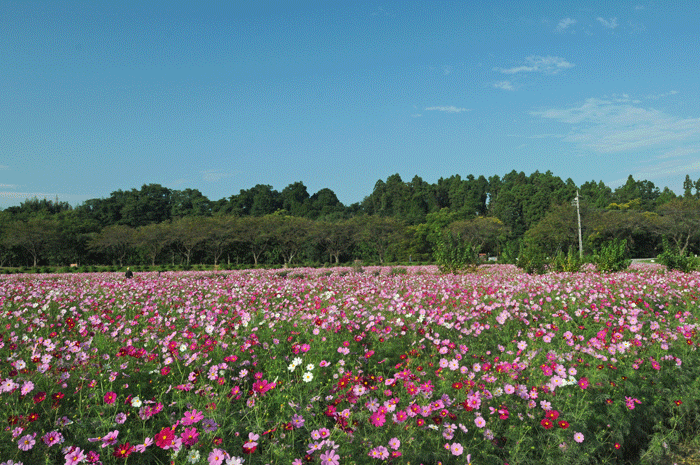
[{"x": 398, "y": 220}]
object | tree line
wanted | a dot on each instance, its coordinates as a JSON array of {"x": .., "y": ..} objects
[{"x": 397, "y": 222}]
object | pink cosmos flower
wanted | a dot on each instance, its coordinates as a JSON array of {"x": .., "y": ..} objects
[
  {"x": 110, "y": 397},
  {"x": 110, "y": 438},
  {"x": 216, "y": 457},
  {"x": 191, "y": 417},
  {"x": 630, "y": 401},
  {"x": 578, "y": 437},
  {"x": 456, "y": 448},
  {"x": 27, "y": 387},
  {"x": 142, "y": 447},
  {"x": 394, "y": 443},
  {"x": 26, "y": 442},
  {"x": 329, "y": 457},
  {"x": 75, "y": 456}
]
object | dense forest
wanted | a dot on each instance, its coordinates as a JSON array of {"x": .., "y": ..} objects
[{"x": 397, "y": 222}]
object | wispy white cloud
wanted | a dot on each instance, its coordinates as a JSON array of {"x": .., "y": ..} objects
[
  {"x": 539, "y": 64},
  {"x": 665, "y": 94},
  {"x": 620, "y": 124},
  {"x": 639, "y": 7},
  {"x": 608, "y": 23},
  {"x": 446, "y": 70},
  {"x": 22, "y": 196},
  {"x": 3, "y": 167},
  {"x": 681, "y": 152},
  {"x": 545, "y": 136},
  {"x": 450, "y": 109},
  {"x": 214, "y": 175},
  {"x": 505, "y": 85},
  {"x": 8, "y": 186},
  {"x": 565, "y": 24},
  {"x": 636, "y": 28},
  {"x": 665, "y": 147},
  {"x": 668, "y": 169}
]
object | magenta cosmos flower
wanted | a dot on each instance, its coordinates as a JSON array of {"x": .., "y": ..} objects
[
  {"x": 164, "y": 438},
  {"x": 110, "y": 397},
  {"x": 52, "y": 437}
]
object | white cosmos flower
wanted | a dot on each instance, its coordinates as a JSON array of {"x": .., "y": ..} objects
[{"x": 307, "y": 377}]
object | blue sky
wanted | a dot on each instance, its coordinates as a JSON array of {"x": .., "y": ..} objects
[{"x": 221, "y": 96}]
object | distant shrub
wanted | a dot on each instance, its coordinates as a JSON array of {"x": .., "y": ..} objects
[
  {"x": 675, "y": 260},
  {"x": 532, "y": 259},
  {"x": 357, "y": 266},
  {"x": 453, "y": 255},
  {"x": 611, "y": 256},
  {"x": 569, "y": 262},
  {"x": 510, "y": 253}
]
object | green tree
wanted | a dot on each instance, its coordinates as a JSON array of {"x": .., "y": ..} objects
[
  {"x": 259, "y": 200},
  {"x": 558, "y": 230},
  {"x": 265, "y": 200},
  {"x": 597, "y": 195},
  {"x": 220, "y": 233},
  {"x": 485, "y": 233},
  {"x": 324, "y": 205},
  {"x": 639, "y": 229},
  {"x": 189, "y": 202},
  {"x": 680, "y": 222},
  {"x": 336, "y": 238},
  {"x": 380, "y": 234},
  {"x": 294, "y": 199},
  {"x": 38, "y": 207},
  {"x": 153, "y": 239},
  {"x": 34, "y": 236},
  {"x": 150, "y": 204},
  {"x": 255, "y": 233},
  {"x": 643, "y": 190},
  {"x": 117, "y": 240},
  {"x": 73, "y": 233},
  {"x": 688, "y": 186},
  {"x": 290, "y": 234},
  {"x": 187, "y": 234}
]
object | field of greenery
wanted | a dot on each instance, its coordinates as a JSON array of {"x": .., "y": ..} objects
[{"x": 349, "y": 366}]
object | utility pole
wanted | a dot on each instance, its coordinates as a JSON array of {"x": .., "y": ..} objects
[{"x": 578, "y": 214}]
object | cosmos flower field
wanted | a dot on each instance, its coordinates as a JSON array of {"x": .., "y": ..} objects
[{"x": 333, "y": 366}]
